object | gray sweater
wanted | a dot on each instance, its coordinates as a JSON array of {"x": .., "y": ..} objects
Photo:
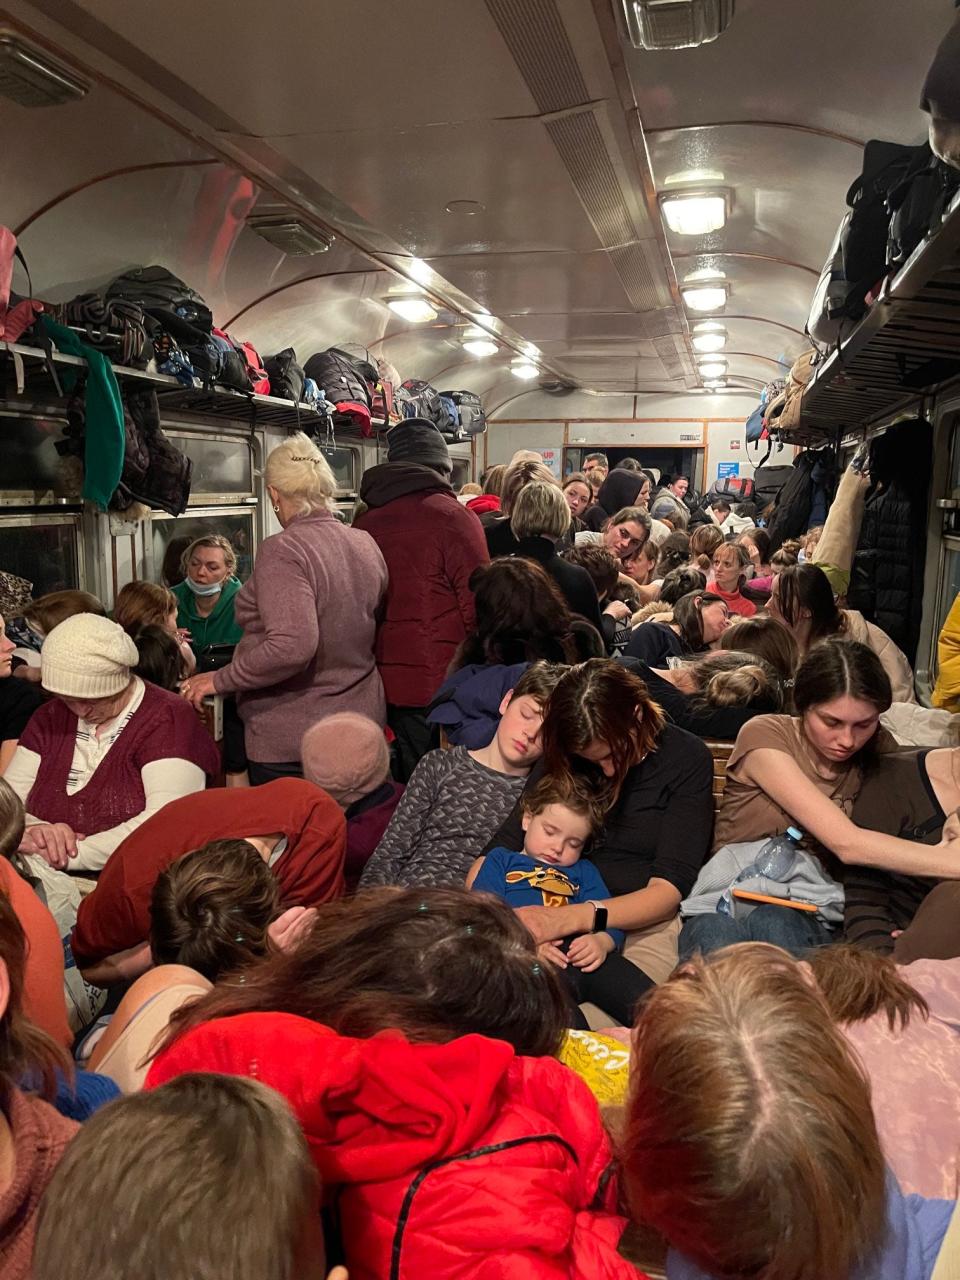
[
  {"x": 450, "y": 809},
  {"x": 308, "y": 615}
]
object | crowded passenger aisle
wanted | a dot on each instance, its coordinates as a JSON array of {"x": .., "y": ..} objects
[{"x": 480, "y": 642}]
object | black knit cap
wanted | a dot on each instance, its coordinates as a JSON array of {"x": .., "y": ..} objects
[{"x": 417, "y": 440}]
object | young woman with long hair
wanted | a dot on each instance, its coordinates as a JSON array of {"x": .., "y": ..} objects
[
  {"x": 699, "y": 620},
  {"x": 751, "y": 1145},
  {"x": 802, "y": 599},
  {"x": 730, "y": 566},
  {"x": 807, "y": 770},
  {"x": 655, "y": 782}
]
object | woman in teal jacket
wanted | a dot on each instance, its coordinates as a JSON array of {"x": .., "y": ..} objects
[{"x": 205, "y": 597}]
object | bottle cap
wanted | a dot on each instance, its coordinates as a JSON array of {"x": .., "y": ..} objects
[{"x": 795, "y": 834}]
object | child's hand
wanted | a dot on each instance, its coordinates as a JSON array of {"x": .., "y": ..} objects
[
  {"x": 589, "y": 951},
  {"x": 550, "y": 952}
]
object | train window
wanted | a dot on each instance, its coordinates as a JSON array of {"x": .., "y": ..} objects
[
  {"x": 345, "y": 465},
  {"x": 43, "y": 549},
  {"x": 169, "y": 538},
  {"x": 462, "y": 468},
  {"x": 222, "y": 466},
  {"x": 33, "y": 471}
]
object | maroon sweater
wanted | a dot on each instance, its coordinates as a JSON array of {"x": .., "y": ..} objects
[
  {"x": 309, "y": 872},
  {"x": 163, "y": 727},
  {"x": 40, "y": 1137}
]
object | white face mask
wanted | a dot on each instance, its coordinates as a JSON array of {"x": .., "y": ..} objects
[{"x": 204, "y": 588}]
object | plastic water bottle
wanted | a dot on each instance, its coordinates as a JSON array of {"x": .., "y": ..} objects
[{"x": 775, "y": 861}]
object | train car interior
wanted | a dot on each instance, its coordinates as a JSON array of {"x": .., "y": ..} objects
[{"x": 716, "y": 240}]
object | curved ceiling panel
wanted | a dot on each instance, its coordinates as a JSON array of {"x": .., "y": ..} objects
[
  {"x": 487, "y": 162},
  {"x": 342, "y": 64},
  {"x": 853, "y": 68},
  {"x": 47, "y": 153},
  {"x": 762, "y": 168}
]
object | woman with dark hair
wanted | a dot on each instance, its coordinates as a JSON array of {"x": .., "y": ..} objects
[
  {"x": 33, "y": 1136},
  {"x": 655, "y": 782},
  {"x": 578, "y": 496},
  {"x": 464, "y": 1072},
  {"x": 521, "y": 617},
  {"x": 750, "y": 1143},
  {"x": 802, "y": 599},
  {"x": 699, "y": 620},
  {"x": 623, "y": 489},
  {"x": 807, "y": 770},
  {"x": 756, "y": 543}
]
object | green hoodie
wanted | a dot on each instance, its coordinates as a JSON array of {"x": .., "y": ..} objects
[{"x": 221, "y": 625}]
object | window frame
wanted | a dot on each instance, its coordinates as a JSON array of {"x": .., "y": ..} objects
[{"x": 11, "y": 520}]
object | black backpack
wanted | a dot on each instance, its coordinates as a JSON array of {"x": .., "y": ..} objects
[
  {"x": 472, "y": 418},
  {"x": 863, "y": 243},
  {"x": 286, "y": 376},
  {"x": 157, "y": 289},
  {"x": 917, "y": 206},
  {"x": 420, "y": 400}
]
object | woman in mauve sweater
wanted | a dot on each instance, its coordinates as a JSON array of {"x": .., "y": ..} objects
[
  {"x": 308, "y": 614},
  {"x": 33, "y": 1136}
]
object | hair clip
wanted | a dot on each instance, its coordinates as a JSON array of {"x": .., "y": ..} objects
[
  {"x": 535, "y": 969},
  {"x": 301, "y": 457},
  {"x": 469, "y": 930},
  {"x": 238, "y": 937},
  {"x": 423, "y": 907}
]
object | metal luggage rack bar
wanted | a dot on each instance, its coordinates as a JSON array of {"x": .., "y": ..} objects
[
  {"x": 217, "y": 402},
  {"x": 905, "y": 347}
]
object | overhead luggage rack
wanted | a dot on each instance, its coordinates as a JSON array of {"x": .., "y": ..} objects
[
  {"x": 907, "y": 346},
  {"x": 217, "y": 402}
]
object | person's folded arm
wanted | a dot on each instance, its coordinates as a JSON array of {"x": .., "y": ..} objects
[
  {"x": 163, "y": 781},
  {"x": 784, "y": 782}
]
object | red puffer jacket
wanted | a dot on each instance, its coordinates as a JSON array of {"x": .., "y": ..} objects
[
  {"x": 431, "y": 545},
  {"x": 458, "y": 1161}
]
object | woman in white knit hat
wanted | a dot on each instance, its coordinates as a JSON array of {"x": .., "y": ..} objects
[{"x": 83, "y": 792}]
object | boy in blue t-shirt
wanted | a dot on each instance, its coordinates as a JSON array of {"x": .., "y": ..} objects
[{"x": 559, "y": 816}]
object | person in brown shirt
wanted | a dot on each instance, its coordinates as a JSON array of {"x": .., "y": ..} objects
[{"x": 807, "y": 770}]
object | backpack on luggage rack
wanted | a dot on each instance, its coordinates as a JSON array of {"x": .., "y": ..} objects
[
  {"x": 473, "y": 421},
  {"x": 338, "y": 376},
  {"x": 177, "y": 320},
  {"x": 420, "y": 400},
  {"x": 286, "y": 376},
  {"x": 917, "y": 207}
]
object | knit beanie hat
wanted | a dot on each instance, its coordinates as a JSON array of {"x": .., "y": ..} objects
[
  {"x": 347, "y": 755},
  {"x": 417, "y": 440},
  {"x": 87, "y": 657}
]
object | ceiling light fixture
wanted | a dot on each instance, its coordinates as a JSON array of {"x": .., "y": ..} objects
[
  {"x": 525, "y": 369},
  {"x": 705, "y": 297},
  {"x": 413, "y": 310},
  {"x": 718, "y": 385},
  {"x": 709, "y": 342},
  {"x": 468, "y": 208},
  {"x": 694, "y": 213},
  {"x": 480, "y": 347},
  {"x": 676, "y": 24},
  {"x": 713, "y": 369}
]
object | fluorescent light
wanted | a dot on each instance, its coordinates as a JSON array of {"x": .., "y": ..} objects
[
  {"x": 713, "y": 369},
  {"x": 708, "y": 297},
  {"x": 694, "y": 213},
  {"x": 709, "y": 342},
  {"x": 481, "y": 347},
  {"x": 414, "y": 310},
  {"x": 524, "y": 369}
]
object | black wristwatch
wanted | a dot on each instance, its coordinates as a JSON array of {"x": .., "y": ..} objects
[{"x": 599, "y": 917}]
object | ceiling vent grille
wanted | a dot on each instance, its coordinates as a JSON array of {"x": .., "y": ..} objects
[
  {"x": 676, "y": 24},
  {"x": 31, "y": 79},
  {"x": 290, "y": 235}
]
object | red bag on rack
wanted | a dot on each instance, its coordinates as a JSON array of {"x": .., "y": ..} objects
[{"x": 17, "y": 319}]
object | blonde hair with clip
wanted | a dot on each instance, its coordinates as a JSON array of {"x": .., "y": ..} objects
[{"x": 299, "y": 472}]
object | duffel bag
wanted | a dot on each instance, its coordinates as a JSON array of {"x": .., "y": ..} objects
[
  {"x": 767, "y": 483},
  {"x": 156, "y": 288},
  {"x": 285, "y": 375},
  {"x": 421, "y": 400},
  {"x": 171, "y": 333},
  {"x": 829, "y": 310}
]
